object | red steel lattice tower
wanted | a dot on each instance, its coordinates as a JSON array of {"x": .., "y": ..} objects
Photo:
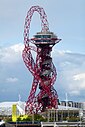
[{"x": 42, "y": 69}]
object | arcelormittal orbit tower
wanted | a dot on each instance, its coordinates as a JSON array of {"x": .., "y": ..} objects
[{"x": 42, "y": 69}]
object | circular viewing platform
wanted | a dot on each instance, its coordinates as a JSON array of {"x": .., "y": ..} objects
[{"x": 45, "y": 38}]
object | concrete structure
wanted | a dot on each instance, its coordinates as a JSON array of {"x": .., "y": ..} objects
[
  {"x": 83, "y": 105},
  {"x": 72, "y": 104},
  {"x": 53, "y": 115},
  {"x": 62, "y": 124},
  {"x": 62, "y": 114}
]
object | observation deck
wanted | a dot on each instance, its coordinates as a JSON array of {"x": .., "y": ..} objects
[{"x": 45, "y": 38}]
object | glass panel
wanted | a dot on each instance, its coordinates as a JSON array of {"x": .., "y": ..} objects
[{"x": 42, "y": 36}]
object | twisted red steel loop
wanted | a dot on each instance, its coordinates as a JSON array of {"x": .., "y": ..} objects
[{"x": 36, "y": 103}]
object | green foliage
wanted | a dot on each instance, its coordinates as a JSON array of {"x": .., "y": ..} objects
[
  {"x": 24, "y": 118},
  {"x": 73, "y": 119},
  {"x": 38, "y": 117},
  {"x": 27, "y": 118},
  {"x": 7, "y": 119}
]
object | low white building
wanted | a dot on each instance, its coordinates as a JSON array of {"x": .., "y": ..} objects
[{"x": 6, "y": 108}]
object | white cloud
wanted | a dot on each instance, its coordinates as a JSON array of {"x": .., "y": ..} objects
[
  {"x": 79, "y": 80},
  {"x": 79, "y": 76},
  {"x": 11, "y": 54},
  {"x": 70, "y": 71},
  {"x": 17, "y": 48},
  {"x": 12, "y": 80},
  {"x": 75, "y": 93}
]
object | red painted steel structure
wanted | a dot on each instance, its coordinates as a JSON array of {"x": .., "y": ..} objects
[{"x": 42, "y": 69}]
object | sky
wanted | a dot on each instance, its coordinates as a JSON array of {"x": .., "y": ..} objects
[{"x": 67, "y": 20}]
